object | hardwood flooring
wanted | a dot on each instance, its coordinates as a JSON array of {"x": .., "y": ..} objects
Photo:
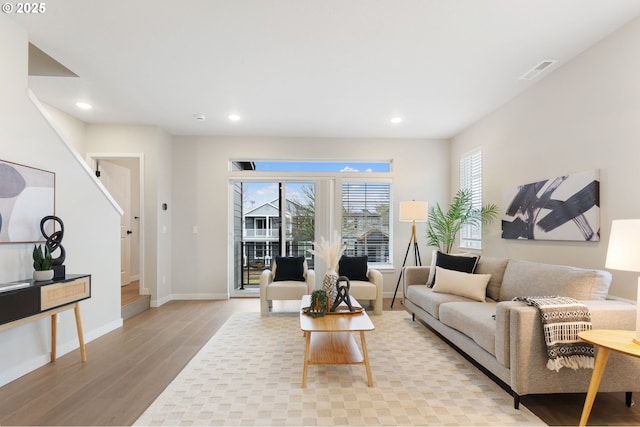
[{"x": 128, "y": 368}]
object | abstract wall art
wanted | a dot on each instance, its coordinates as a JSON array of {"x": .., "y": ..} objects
[
  {"x": 563, "y": 208},
  {"x": 26, "y": 196}
]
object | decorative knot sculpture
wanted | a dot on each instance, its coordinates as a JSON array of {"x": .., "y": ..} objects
[
  {"x": 54, "y": 242},
  {"x": 343, "y": 294}
]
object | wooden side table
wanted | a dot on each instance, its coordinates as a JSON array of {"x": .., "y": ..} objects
[{"x": 606, "y": 340}]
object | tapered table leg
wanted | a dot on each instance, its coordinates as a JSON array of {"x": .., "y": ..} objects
[
  {"x": 54, "y": 334},
  {"x": 365, "y": 356},
  {"x": 83, "y": 352},
  {"x": 307, "y": 345},
  {"x": 596, "y": 376}
]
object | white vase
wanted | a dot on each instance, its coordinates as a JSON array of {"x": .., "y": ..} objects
[
  {"x": 329, "y": 283},
  {"x": 42, "y": 275}
]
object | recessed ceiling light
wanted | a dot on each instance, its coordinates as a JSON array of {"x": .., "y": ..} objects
[
  {"x": 83, "y": 105},
  {"x": 396, "y": 120},
  {"x": 200, "y": 117},
  {"x": 233, "y": 117}
]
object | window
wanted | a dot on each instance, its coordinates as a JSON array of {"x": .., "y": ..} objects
[
  {"x": 471, "y": 177},
  {"x": 365, "y": 219}
]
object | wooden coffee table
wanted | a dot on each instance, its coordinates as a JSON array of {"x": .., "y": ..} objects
[{"x": 330, "y": 341}]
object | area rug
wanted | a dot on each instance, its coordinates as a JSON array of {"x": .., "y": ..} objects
[{"x": 250, "y": 373}]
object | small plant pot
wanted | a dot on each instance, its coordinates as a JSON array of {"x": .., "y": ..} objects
[{"x": 43, "y": 275}]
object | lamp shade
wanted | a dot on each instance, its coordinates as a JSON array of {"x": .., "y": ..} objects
[
  {"x": 413, "y": 210},
  {"x": 624, "y": 243},
  {"x": 623, "y": 254}
]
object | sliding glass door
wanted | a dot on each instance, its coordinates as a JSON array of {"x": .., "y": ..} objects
[{"x": 272, "y": 219}]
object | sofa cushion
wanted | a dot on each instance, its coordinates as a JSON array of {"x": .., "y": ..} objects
[
  {"x": 468, "y": 285},
  {"x": 424, "y": 297},
  {"x": 525, "y": 278},
  {"x": 495, "y": 267},
  {"x": 289, "y": 268},
  {"x": 353, "y": 267},
  {"x": 463, "y": 263},
  {"x": 474, "y": 319}
]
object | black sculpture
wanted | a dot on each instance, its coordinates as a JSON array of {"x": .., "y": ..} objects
[
  {"x": 53, "y": 243},
  {"x": 343, "y": 294}
]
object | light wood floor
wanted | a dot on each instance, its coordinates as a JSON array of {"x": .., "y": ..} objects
[{"x": 128, "y": 368}]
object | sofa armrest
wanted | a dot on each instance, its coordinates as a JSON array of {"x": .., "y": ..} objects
[
  {"x": 414, "y": 275},
  {"x": 527, "y": 351},
  {"x": 311, "y": 280}
]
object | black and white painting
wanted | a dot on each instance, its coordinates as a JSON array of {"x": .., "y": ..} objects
[
  {"x": 26, "y": 196},
  {"x": 562, "y": 208}
]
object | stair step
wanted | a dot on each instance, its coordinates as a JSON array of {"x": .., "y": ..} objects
[{"x": 136, "y": 307}]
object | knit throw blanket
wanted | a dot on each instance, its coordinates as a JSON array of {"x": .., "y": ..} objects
[{"x": 562, "y": 319}]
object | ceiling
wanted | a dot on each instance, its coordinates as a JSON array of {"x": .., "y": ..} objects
[{"x": 307, "y": 68}]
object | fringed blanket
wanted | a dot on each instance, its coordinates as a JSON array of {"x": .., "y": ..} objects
[{"x": 562, "y": 319}]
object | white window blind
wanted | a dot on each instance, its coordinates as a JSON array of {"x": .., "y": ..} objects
[
  {"x": 365, "y": 219},
  {"x": 471, "y": 177}
]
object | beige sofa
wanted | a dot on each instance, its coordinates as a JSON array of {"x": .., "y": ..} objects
[{"x": 505, "y": 337}]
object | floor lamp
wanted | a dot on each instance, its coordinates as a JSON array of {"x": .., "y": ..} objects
[{"x": 411, "y": 211}]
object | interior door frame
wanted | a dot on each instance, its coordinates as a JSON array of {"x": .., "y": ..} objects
[{"x": 92, "y": 159}]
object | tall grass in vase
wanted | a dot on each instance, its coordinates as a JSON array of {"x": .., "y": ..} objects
[{"x": 330, "y": 252}]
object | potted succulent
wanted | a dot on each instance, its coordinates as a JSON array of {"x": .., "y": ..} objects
[
  {"x": 443, "y": 227},
  {"x": 42, "y": 263}
]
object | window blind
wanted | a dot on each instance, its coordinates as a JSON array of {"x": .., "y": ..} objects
[
  {"x": 471, "y": 177},
  {"x": 365, "y": 219}
]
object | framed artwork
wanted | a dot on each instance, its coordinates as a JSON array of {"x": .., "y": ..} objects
[
  {"x": 562, "y": 208},
  {"x": 26, "y": 196}
]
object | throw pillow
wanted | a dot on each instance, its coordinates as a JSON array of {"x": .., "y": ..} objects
[
  {"x": 468, "y": 285},
  {"x": 354, "y": 267},
  {"x": 289, "y": 268},
  {"x": 462, "y": 263}
]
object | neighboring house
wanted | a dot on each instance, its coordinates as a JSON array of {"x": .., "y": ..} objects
[
  {"x": 261, "y": 233},
  {"x": 366, "y": 232}
]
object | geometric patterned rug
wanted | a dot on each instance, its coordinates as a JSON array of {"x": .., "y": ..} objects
[{"x": 250, "y": 372}]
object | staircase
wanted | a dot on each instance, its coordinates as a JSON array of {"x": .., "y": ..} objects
[{"x": 132, "y": 302}]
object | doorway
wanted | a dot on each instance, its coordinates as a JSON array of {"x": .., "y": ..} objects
[{"x": 122, "y": 175}]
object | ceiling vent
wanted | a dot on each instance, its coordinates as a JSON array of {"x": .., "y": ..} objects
[{"x": 538, "y": 69}]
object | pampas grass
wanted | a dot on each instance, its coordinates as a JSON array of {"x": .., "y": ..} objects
[{"x": 329, "y": 251}]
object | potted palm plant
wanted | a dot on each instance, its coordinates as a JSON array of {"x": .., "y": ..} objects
[
  {"x": 42, "y": 263},
  {"x": 443, "y": 227}
]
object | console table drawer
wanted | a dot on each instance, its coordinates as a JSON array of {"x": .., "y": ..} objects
[
  {"x": 64, "y": 293},
  {"x": 18, "y": 304}
]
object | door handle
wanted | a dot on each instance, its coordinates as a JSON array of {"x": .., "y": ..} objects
[{"x": 129, "y": 232}]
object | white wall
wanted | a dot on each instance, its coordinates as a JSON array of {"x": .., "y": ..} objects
[
  {"x": 91, "y": 221},
  {"x": 155, "y": 146},
  {"x": 584, "y": 115},
  {"x": 200, "y": 195},
  {"x": 73, "y": 129}
]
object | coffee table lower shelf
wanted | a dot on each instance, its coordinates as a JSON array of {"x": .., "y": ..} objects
[{"x": 335, "y": 348}]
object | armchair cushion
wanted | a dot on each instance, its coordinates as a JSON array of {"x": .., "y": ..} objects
[
  {"x": 354, "y": 267},
  {"x": 289, "y": 268}
]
